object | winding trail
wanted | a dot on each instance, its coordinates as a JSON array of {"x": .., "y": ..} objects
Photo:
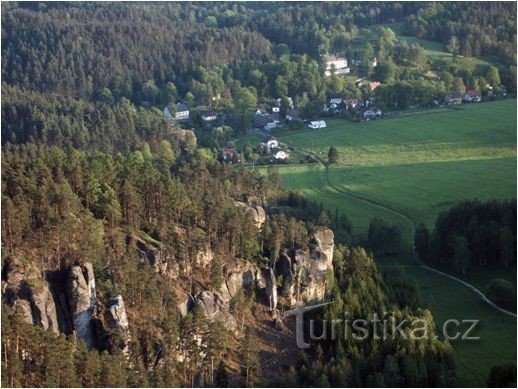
[{"x": 412, "y": 223}]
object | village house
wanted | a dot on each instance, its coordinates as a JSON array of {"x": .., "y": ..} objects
[
  {"x": 317, "y": 124},
  {"x": 281, "y": 155},
  {"x": 472, "y": 96},
  {"x": 209, "y": 117},
  {"x": 266, "y": 121},
  {"x": 293, "y": 114},
  {"x": 336, "y": 64},
  {"x": 453, "y": 98},
  {"x": 373, "y": 113},
  {"x": 352, "y": 104},
  {"x": 270, "y": 143},
  {"x": 373, "y": 85},
  {"x": 230, "y": 155},
  {"x": 181, "y": 112}
]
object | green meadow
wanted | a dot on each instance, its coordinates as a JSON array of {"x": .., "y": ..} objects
[{"x": 408, "y": 169}]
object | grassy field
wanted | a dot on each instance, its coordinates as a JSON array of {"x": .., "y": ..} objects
[{"x": 407, "y": 170}]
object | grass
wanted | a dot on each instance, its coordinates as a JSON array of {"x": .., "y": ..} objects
[{"x": 408, "y": 169}]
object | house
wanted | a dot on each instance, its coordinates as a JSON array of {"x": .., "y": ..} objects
[
  {"x": 336, "y": 64},
  {"x": 335, "y": 100},
  {"x": 453, "y": 98},
  {"x": 472, "y": 96},
  {"x": 182, "y": 111},
  {"x": 281, "y": 155},
  {"x": 209, "y": 116},
  {"x": 373, "y": 113},
  {"x": 271, "y": 143},
  {"x": 373, "y": 85},
  {"x": 292, "y": 114},
  {"x": 317, "y": 124},
  {"x": 230, "y": 155},
  {"x": 352, "y": 104},
  {"x": 266, "y": 121}
]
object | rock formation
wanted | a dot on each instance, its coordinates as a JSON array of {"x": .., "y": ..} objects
[
  {"x": 26, "y": 288},
  {"x": 304, "y": 272},
  {"x": 80, "y": 290},
  {"x": 215, "y": 308},
  {"x": 238, "y": 275},
  {"x": 271, "y": 288},
  {"x": 256, "y": 211},
  {"x": 118, "y": 320}
]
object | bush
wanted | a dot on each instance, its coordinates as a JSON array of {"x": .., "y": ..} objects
[{"x": 502, "y": 293}]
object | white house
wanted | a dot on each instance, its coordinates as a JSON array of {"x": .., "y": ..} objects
[
  {"x": 372, "y": 113},
  {"x": 336, "y": 64},
  {"x": 317, "y": 124},
  {"x": 271, "y": 143},
  {"x": 282, "y": 155},
  {"x": 209, "y": 117}
]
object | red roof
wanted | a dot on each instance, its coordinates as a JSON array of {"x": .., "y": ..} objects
[{"x": 375, "y": 84}]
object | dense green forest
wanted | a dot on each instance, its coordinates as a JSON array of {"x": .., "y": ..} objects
[
  {"x": 132, "y": 256},
  {"x": 473, "y": 236}
]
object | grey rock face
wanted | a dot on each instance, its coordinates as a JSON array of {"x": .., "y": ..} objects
[
  {"x": 257, "y": 213},
  {"x": 118, "y": 320},
  {"x": 81, "y": 298},
  {"x": 238, "y": 275},
  {"x": 271, "y": 288},
  {"x": 28, "y": 289},
  {"x": 215, "y": 308},
  {"x": 44, "y": 308},
  {"x": 305, "y": 273}
]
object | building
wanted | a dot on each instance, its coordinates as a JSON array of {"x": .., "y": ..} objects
[
  {"x": 373, "y": 113},
  {"x": 281, "y": 155},
  {"x": 373, "y": 85},
  {"x": 230, "y": 155},
  {"x": 266, "y": 121},
  {"x": 209, "y": 117},
  {"x": 472, "y": 96},
  {"x": 181, "y": 112},
  {"x": 336, "y": 64},
  {"x": 352, "y": 104},
  {"x": 293, "y": 114},
  {"x": 317, "y": 124},
  {"x": 453, "y": 98},
  {"x": 270, "y": 143}
]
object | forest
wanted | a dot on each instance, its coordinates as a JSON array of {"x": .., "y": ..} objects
[{"x": 118, "y": 225}]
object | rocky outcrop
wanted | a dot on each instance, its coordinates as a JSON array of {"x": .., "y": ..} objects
[
  {"x": 238, "y": 275},
  {"x": 255, "y": 211},
  {"x": 27, "y": 288},
  {"x": 271, "y": 288},
  {"x": 81, "y": 297},
  {"x": 43, "y": 308},
  {"x": 118, "y": 320},
  {"x": 304, "y": 272},
  {"x": 215, "y": 308}
]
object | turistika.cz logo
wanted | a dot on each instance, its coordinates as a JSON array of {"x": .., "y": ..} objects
[{"x": 377, "y": 328}]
